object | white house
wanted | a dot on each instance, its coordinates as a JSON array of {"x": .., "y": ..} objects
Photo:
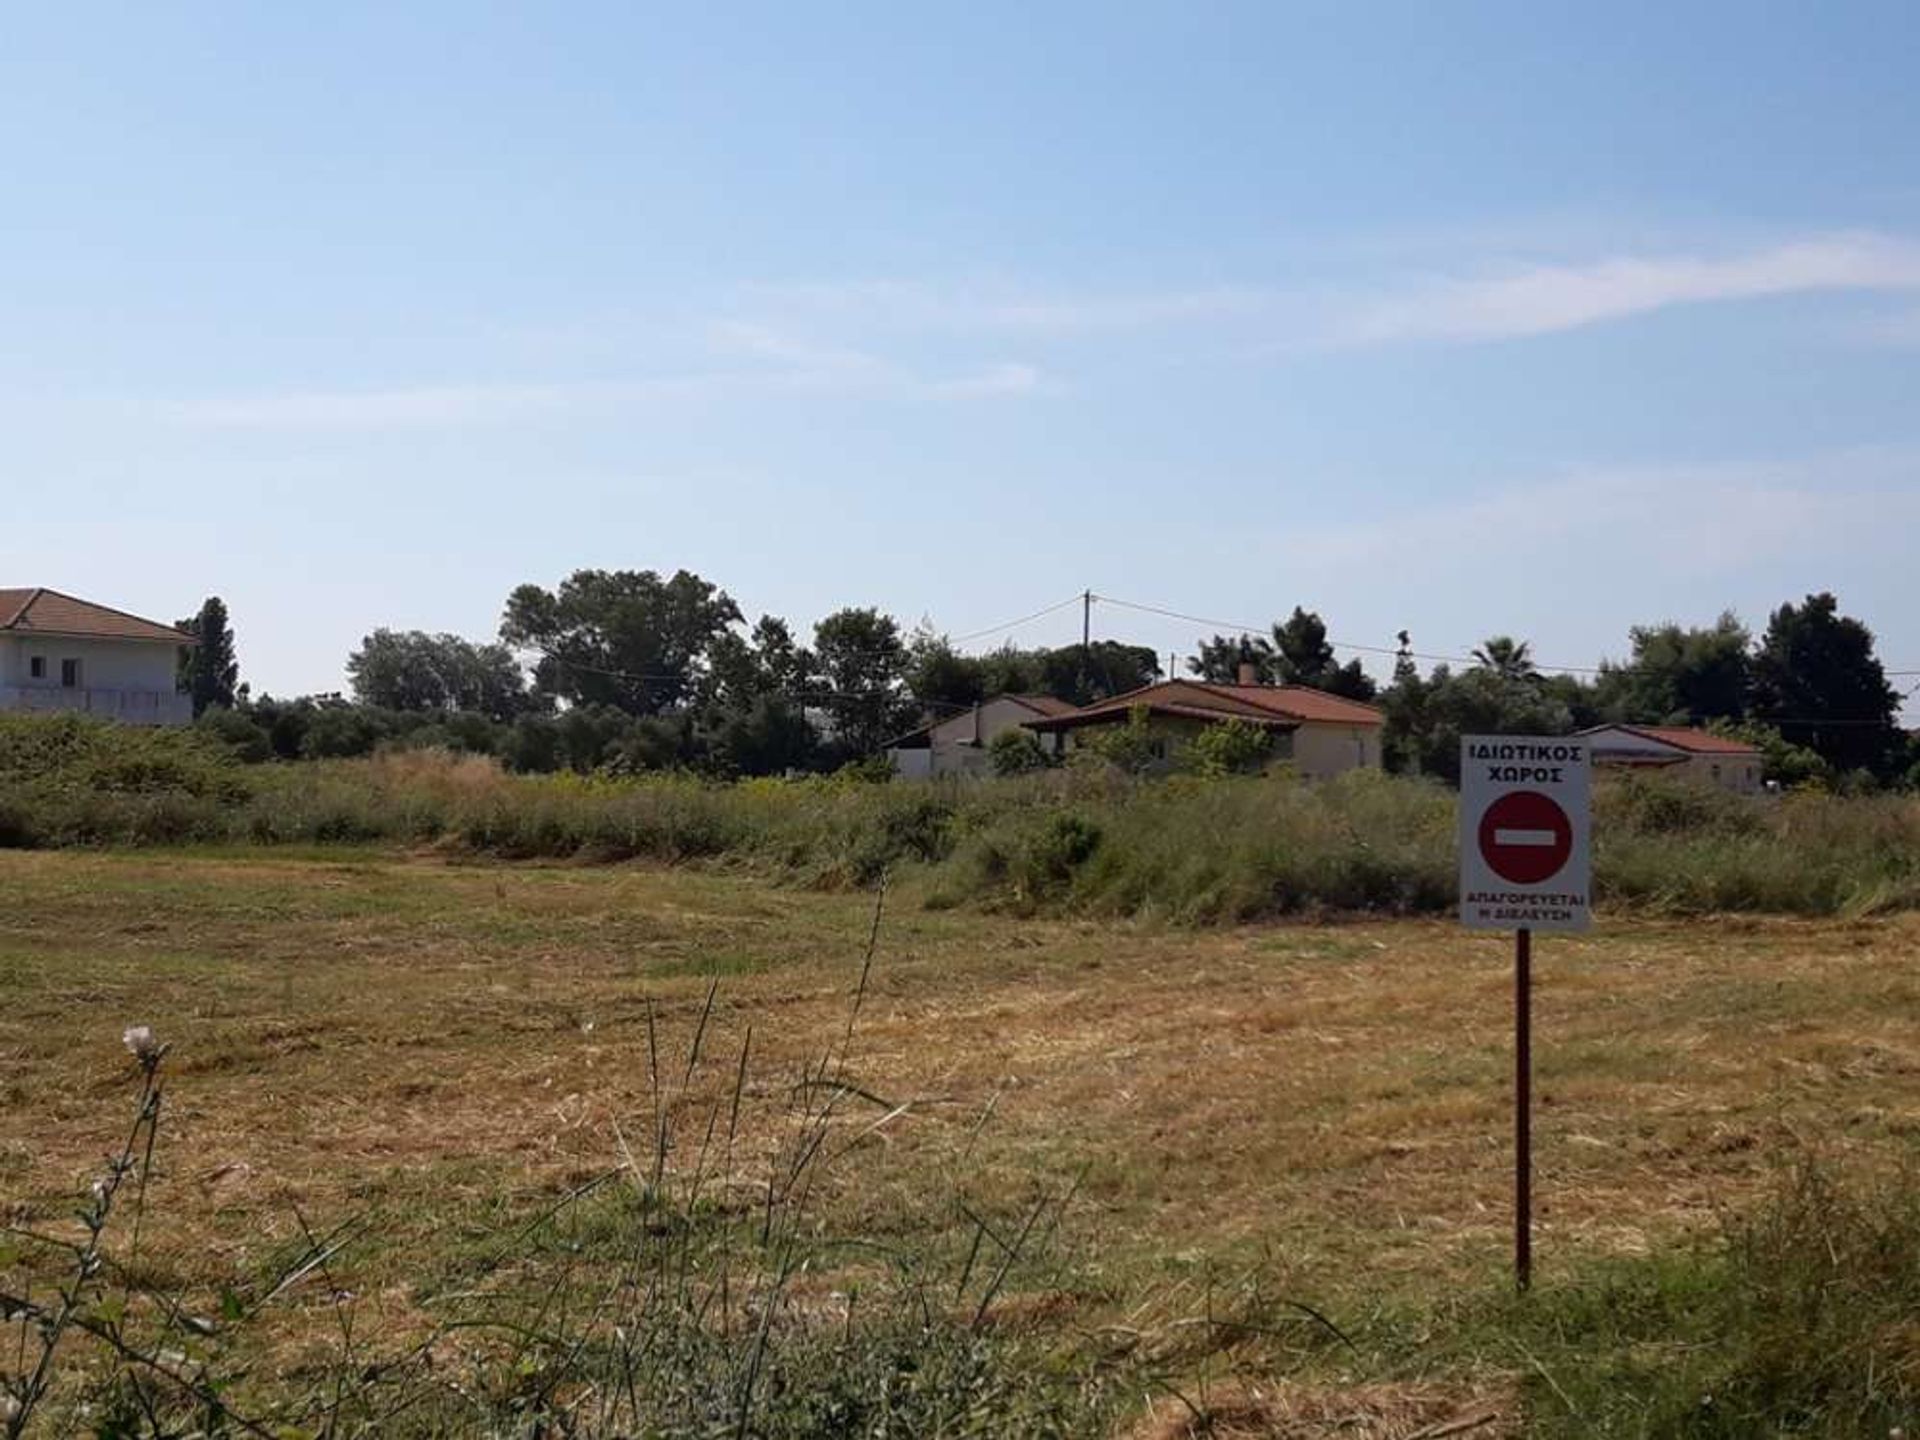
[
  {"x": 959, "y": 744},
  {"x": 58, "y": 653},
  {"x": 1677, "y": 750}
]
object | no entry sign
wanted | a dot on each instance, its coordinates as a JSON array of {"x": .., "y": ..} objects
[{"x": 1523, "y": 833}]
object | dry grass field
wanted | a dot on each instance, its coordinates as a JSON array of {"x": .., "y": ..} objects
[{"x": 1322, "y": 1112}]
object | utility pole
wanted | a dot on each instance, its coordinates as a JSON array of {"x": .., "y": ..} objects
[{"x": 1086, "y": 646}]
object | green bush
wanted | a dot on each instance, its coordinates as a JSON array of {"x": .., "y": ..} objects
[
  {"x": 1798, "y": 1320},
  {"x": 1086, "y": 839},
  {"x": 1233, "y": 747},
  {"x": 1017, "y": 752}
]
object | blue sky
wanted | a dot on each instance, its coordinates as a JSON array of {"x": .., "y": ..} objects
[{"x": 1467, "y": 318}]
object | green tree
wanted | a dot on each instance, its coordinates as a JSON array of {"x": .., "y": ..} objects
[
  {"x": 1302, "y": 656},
  {"x": 1084, "y": 674},
  {"x": 336, "y": 730},
  {"x": 1427, "y": 717},
  {"x": 753, "y": 718},
  {"x": 1785, "y": 764},
  {"x": 1297, "y": 653},
  {"x": 1506, "y": 657},
  {"x": 862, "y": 665},
  {"x": 1232, "y": 747},
  {"x": 1017, "y": 751},
  {"x": 743, "y": 668},
  {"x": 1069, "y": 672},
  {"x": 1132, "y": 746},
  {"x": 1222, "y": 656},
  {"x": 1680, "y": 676},
  {"x": 1012, "y": 671},
  {"x": 940, "y": 677},
  {"x": 1406, "y": 703},
  {"x": 770, "y": 737},
  {"x": 624, "y": 638},
  {"x": 412, "y": 670},
  {"x": 1816, "y": 680},
  {"x": 210, "y": 670}
]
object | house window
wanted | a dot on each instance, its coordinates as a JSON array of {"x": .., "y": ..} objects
[
  {"x": 36, "y": 667},
  {"x": 70, "y": 674}
]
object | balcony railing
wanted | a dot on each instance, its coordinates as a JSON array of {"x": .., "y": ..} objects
[{"x": 134, "y": 707}]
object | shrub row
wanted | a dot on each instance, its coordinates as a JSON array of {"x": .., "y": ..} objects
[{"x": 1187, "y": 850}]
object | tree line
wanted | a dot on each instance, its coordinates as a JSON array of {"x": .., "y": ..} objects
[
  {"x": 632, "y": 670},
  {"x": 1808, "y": 691}
]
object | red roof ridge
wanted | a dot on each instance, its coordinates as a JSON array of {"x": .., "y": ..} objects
[
  {"x": 1294, "y": 704},
  {"x": 1036, "y": 700},
  {"x": 1240, "y": 692},
  {"x": 32, "y": 592},
  {"x": 21, "y": 618},
  {"x": 1683, "y": 737}
]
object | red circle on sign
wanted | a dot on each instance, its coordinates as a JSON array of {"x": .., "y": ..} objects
[{"x": 1525, "y": 837}]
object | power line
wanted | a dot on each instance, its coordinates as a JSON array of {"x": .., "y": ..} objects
[
  {"x": 1250, "y": 628},
  {"x": 1015, "y": 624},
  {"x": 690, "y": 680}
]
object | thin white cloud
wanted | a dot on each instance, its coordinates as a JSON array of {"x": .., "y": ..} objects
[
  {"x": 976, "y": 306},
  {"x": 450, "y": 407},
  {"x": 423, "y": 406},
  {"x": 1010, "y": 377},
  {"x": 1698, "y": 521},
  {"x": 762, "y": 342},
  {"x": 1545, "y": 299},
  {"x": 888, "y": 337}
]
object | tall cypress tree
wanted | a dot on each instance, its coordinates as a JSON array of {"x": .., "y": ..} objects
[{"x": 210, "y": 671}]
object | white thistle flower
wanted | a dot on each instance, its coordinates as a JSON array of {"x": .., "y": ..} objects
[
  {"x": 9, "y": 1409},
  {"x": 140, "y": 1042}
]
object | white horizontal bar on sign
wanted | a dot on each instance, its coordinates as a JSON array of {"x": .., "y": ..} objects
[{"x": 1525, "y": 837}]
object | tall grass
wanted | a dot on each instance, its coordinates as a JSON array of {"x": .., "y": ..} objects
[
  {"x": 1076, "y": 841},
  {"x": 1801, "y": 1318}
]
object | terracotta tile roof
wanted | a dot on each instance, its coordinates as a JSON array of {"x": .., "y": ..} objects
[
  {"x": 1277, "y": 705},
  {"x": 1683, "y": 737},
  {"x": 41, "y": 611},
  {"x": 1701, "y": 742},
  {"x": 1046, "y": 704},
  {"x": 1303, "y": 702}
]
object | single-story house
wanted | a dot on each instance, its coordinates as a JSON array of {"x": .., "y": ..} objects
[
  {"x": 58, "y": 653},
  {"x": 1679, "y": 750},
  {"x": 1320, "y": 734},
  {"x": 958, "y": 745}
]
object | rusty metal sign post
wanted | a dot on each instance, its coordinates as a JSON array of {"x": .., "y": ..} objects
[{"x": 1525, "y": 865}]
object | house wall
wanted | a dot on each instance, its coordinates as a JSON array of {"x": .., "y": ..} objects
[
  {"x": 1738, "y": 773},
  {"x": 961, "y": 744},
  {"x": 127, "y": 680},
  {"x": 104, "y": 664},
  {"x": 1317, "y": 751},
  {"x": 1321, "y": 751},
  {"x": 1621, "y": 750}
]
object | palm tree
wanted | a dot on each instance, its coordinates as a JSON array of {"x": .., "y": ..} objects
[{"x": 1507, "y": 657}]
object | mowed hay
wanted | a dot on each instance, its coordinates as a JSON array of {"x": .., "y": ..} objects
[
  {"x": 445, "y": 1051},
  {"x": 1305, "y": 1412}
]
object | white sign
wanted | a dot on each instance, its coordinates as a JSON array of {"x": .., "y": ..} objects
[{"x": 1525, "y": 861}]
